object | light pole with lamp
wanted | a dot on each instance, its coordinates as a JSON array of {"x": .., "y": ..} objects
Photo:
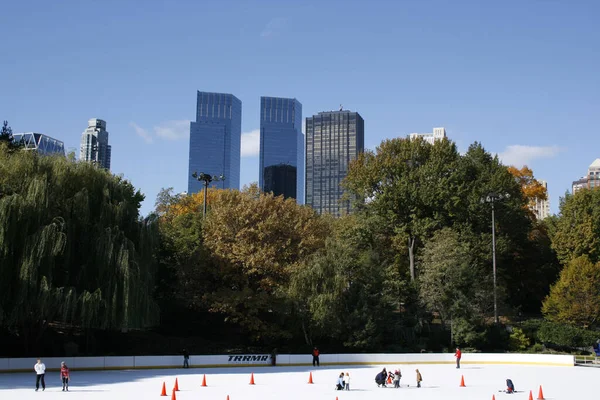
[
  {"x": 206, "y": 179},
  {"x": 492, "y": 198}
]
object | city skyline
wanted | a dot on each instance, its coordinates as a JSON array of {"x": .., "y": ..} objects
[
  {"x": 281, "y": 155},
  {"x": 215, "y": 140},
  {"x": 500, "y": 74}
]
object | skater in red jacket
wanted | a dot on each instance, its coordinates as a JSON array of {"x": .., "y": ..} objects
[
  {"x": 458, "y": 355},
  {"x": 315, "y": 354},
  {"x": 64, "y": 376}
]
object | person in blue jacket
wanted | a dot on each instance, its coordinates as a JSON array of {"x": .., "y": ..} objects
[
  {"x": 340, "y": 382},
  {"x": 380, "y": 378},
  {"x": 510, "y": 387}
]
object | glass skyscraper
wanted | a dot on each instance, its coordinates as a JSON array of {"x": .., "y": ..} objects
[
  {"x": 94, "y": 144},
  {"x": 333, "y": 139},
  {"x": 215, "y": 140},
  {"x": 281, "y": 169},
  {"x": 41, "y": 143}
]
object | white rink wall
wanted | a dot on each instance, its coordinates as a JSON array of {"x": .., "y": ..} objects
[{"x": 244, "y": 360}]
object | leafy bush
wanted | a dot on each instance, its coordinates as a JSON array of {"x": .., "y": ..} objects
[
  {"x": 537, "y": 348},
  {"x": 518, "y": 340},
  {"x": 530, "y": 329},
  {"x": 566, "y": 336}
]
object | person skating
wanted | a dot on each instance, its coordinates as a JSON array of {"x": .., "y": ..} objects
[
  {"x": 315, "y": 354},
  {"x": 380, "y": 378},
  {"x": 65, "y": 376},
  {"x": 419, "y": 378},
  {"x": 397, "y": 376},
  {"x": 347, "y": 381},
  {"x": 458, "y": 356},
  {"x": 40, "y": 372},
  {"x": 340, "y": 382},
  {"x": 186, "y": 358}
]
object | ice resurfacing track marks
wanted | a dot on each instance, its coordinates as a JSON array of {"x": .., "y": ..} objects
[{"x": 440, "y": 382}]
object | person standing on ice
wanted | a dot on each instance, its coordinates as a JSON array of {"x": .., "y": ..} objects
[
  {"x": 40, "y": 372},
  {"x": 186, "y": 358},
  {"x": 65, "y": 376},
  {"x": 315, "y": 354},
  {"x": 458, "y": 355},
  {"x": 397, "y": 376},
  {"x": 347, "y": 381},
  {"x": 419, "y": 378}
]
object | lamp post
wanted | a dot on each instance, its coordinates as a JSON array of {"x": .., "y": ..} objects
[
  {"x": 206, "y": 179},
  {"x": 492, "y": 198}
]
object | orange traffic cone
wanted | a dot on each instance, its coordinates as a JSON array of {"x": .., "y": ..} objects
[
  {"x": 462, "y": 381},
  {"x": 173, "y": 397},
  {"x": 389, "y": 381},
  {"x": 164, "y": 390},
  {"x": 227, "y": 397},
  {"x": 204, "y": 381},
  {"x": 530, "y": 395},
  {"x": 176, "y": 388},
  {"x": 493, "y": 397},
  {"x": 541, "y": 394},
  {"x": 252, "y": 379},
  {"x": 310, "y": 378}
]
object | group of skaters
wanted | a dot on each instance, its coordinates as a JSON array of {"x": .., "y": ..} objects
[
  {"x": 343, "y": 382},
  {"x": 40, "y": 373},
  {"x": 386, "y": 377}
]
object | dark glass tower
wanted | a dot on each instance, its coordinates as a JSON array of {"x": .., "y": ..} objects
[
  {"x": 215, "y": 140},
  {"x": 281, "y": 169},
  {"x": 333, "y": 139}
]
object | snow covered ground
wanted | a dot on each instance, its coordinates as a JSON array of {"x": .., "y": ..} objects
[{"x": 440, "y": 382}]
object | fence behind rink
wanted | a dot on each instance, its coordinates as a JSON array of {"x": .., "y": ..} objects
[{"x": 245, "y": 360}]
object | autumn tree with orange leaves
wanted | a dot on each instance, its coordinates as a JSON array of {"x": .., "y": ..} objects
[{"x": 533, "y": 190}]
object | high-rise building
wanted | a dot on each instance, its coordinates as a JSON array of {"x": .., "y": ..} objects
[
  {"x": 215, "y": 140},
  {"x": 94, "y": 144},
  {"x": 541, "y": 208},
  {"x": 333, "y": 140},
  {"x": 431, "y": 138},
  {"x": 281, "y": 169},
  {"x": 591, "y": 180},
  {"x": 41, "y": 143}
]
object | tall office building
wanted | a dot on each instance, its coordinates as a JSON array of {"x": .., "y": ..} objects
[
  {"x": 541, "y": 208},
  {"x": 41, "y": 143},
  {"x": 94, "y": 144},
  {"x": 431, "y": 138},
  {"x": 591, "y": 180},
  {"x": 215, "y": 140},
  {"x": 281, "y": 169},
  {"x": 333, "y": 140}
]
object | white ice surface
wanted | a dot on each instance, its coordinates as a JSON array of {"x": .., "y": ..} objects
[{"x": 440, "y": 382}]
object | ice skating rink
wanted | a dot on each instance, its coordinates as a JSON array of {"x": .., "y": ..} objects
[{"x": 440, "y": 382}]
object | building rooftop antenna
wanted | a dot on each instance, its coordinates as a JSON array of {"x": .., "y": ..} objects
[{"x": 341, "y": 107}]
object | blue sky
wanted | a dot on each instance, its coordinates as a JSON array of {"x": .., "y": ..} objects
[{"x": 519, "y": 76}]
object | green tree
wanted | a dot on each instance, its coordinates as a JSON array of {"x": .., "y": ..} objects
[
  {"x": 575, "y": 298},
  {"x": 410, "y": 183},
  {"x": 577, "y": 229},
  {"x": 6, "y": 136},
  {"x": 454, "y": 284},
  {"x": 72, "y": 248}
]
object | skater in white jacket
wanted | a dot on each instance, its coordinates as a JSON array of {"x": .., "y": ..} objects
[{"x": 40, "y": 371}]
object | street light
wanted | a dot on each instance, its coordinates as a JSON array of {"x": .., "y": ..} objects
[
  {"x": 206, "y": 179},
  {"x": 492, "y": 198}
]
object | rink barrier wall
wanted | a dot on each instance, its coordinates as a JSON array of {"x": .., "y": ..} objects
[{"x": 263, "y": 360}]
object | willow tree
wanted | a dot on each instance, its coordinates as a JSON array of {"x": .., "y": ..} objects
[{"x": 72, "y": 247}]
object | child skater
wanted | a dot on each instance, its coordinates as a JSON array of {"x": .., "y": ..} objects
[
  {"x": 347, "y": 381},
  {"x": 397, "y": 377},
  {"x": 64, "y": 376},
  {"x": 419, "y": 378}
]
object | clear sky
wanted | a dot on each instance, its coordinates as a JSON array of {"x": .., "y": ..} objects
[{"x": 520, "y": 76}]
